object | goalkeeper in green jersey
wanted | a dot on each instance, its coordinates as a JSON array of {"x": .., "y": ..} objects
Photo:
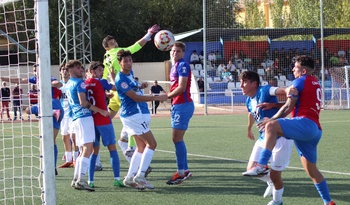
[{"x": 111, "y": 62}]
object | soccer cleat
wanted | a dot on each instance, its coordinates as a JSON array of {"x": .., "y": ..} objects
[
  {"x": 118, "y": 183},
  {"x": 83, "y": 185},
  {"x": 257, "y": 171},
  {"x": 130, "y": 182},
  {"x": 149, "y": 170},
  {"x": 14, "y": 119},
  {"x": 72, "y": 184},
  {"x": 188, "y": 174},
  {"x": 269, "y": 189},
  {"x": 129, "y": 152},
  {"x": 141, "y": 180},
  {"x": 275, "y": 203},
  {"x": 66, "y": 165},
  {"x": 91, "y": 184},
  {"x": 98, "y": 168},
  {"x": 177, "y": 179},
  {"x": 331, "y": 203}
]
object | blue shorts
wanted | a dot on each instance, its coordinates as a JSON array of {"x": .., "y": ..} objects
[
  {"x": 56, "y": 105},
  {"x": 181, "y": 115},
  {"x": 107, "y": 134},
  {"x": 305, "y": 134}
]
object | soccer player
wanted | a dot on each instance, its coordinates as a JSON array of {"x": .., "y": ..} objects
[
  {"x": 71, "y": 150},
  {"x": 181, "y": 111},
  {"x": 303, "y": 127},
  {"x": 96, "y": 88},
  {"x": 83, "y": 123},
  {"x": 111, "y": 62},
  {"x": 134, "y": 122},
  {"x": 283, "y": 150}
]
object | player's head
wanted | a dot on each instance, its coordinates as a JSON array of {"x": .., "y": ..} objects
[
  {"x": 178, "y": 50},
  {"x": 63, "y": 71},
  {"x": 75, "y": 68},
  {"x": 109, "y": 42},
  {"x": 33, "y": 87},
  {"x": 250, "y": 82},
  {"x": 96, "y": 69},
  {"x": 3, "y": 84},
  {"x": 304, "y": 65},
  {"x": 125, "y": 60},
  {"x": 35, "y": 69}
]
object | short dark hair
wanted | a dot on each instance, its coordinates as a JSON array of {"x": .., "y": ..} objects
[
  {"x": 62, "y": 66},
  {"x": 251, "y": 76},
  {"x": 72, "y": 63},
  {"x": 94, "y": 65},
  {"x": 123, "y": 53},
  {"x": 105, "y": 41},
  {"x": 306, "y": 62}
]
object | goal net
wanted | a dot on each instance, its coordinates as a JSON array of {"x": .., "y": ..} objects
[
  {"x": 21, "y": 156},
  {"x": 337, "y": 88}
]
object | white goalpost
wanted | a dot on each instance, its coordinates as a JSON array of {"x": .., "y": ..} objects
[
  {"x": 27, "y": 173},
  {"x": 337, "y": 89}
]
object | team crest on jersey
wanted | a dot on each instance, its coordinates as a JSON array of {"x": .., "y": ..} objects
[
  {"x": 184, "y": 70},
  {"x": 82, "y": 85},
  {"x": 124, "y": 85}
]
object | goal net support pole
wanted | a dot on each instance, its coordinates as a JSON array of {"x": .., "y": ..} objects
[
  {"x": 347, "y": 84},
  {"x": 48, "y": 171}
]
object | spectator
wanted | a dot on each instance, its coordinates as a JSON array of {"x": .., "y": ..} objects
[
  {"x": 334, "y": 60},
  {"x": 304, "y": 52},
  {"x": 33, "y": 95},
  {"x": 221, "y": 69},
  {"x": 17, "y": 101},
  {"x": 282, "y": 55},
  {"x": 291, "y": 53},
  {"x": 232, "y": 68},
  {"x": 218, "y": 57},
  {"x": 155, "y": 90},
  {"x": 242, "y": 55},
  {"x": 296, "y": 52},
  {"x": 269, "y": 73},
  {"x": 201, "y": 58},
  {"x": 201, "y": 85},
  {"x": 276, "y": 66},
  {"x": 212, "y": 58},
  {"x": 341, "y": 52},
  {"x": 226, "y": 75},
  {"x": 275, "y": 54},
  {"x": 313, "y": 54},
  {"x": 195, "y": 58},
  {"x": 266, "y": 55},
  {"x": 5, "y": 99}
]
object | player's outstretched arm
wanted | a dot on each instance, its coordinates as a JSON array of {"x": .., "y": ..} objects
[
  {"x": 142, "y": 98},
  {"x": 15, "y": 80},
  {"x": 180, "y": 89},
  {"x": 154, "y": 29},
  {"x": 56, "y": 84}
]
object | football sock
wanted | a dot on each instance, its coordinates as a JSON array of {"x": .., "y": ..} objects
[
  {"x": 277, "y": 194},
  {"x": 92, "y": 167},
  {"x": 264, "y": 156},
  {"x": 77, "y": 167},
  {"x": 69, "y": 157},
  {"x": 75, "y": 155},
  {"x": 131, "y": 142},
  {"x": 322, "y": 189},
  {"x": 56, "y": 153},
  {"x": 181, "y": 155},
  {"x": 98, "y": 160},
  {"x": 115, "y": 163},
  {"x": 134, "y": 164},
  {"x": 83, "y": 167},
  {"x": 124, "y": 146},
  {"x": 145, "y": 161}
]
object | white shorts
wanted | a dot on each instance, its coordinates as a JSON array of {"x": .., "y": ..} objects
[
  {"x": 66, "y": 126},
  {"x": 137, "y": 124},
  {"x": 84, "y": 130},
  {"x": 281, "y": 153}
]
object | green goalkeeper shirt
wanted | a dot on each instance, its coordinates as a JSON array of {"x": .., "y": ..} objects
[{"x": 110, "y": 58}]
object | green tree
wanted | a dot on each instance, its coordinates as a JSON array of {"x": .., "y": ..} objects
[{"x": 254, "y": 18}]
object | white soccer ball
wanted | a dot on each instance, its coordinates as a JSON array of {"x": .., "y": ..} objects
[{"x": 164, "y": 40}]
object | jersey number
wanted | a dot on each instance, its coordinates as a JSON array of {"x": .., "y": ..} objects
[{"x": 318, "y": 95}]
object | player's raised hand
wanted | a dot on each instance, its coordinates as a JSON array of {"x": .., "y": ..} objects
[
  {"x": 154, "y": 29},
  {"x": 144, "y": 85}
]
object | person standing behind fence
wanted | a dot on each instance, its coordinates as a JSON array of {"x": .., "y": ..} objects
[
  {"x": 155, "y": 90},
  {"x": 17, "y": 101},
  {"x": 5, "y": 99}
]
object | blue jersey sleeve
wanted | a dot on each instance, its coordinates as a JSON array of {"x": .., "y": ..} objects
[
  {"x": 32, "y": 80},
  {"x": 123, "y": 86},
  {"x": 299, "y": 84},
  {"x": 106, "y": 86},
  {"x": 81, "y": 87},
  {"x": 183, "y": 69}
]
